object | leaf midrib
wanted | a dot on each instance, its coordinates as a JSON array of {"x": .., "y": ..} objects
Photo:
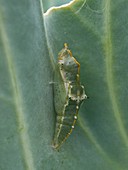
[
  {"x": 109, "y": 72},
  {"x": 16, "y": 92}
]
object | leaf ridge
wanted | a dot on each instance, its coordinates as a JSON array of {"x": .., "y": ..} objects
[
  {"x": 24, "y": 138},
  {"x": 109, "y": 72},
  {"x": 96, "y": 144}
]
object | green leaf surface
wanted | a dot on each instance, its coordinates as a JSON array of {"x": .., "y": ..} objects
[
  {"x": 96, "y": 32},
  {"x": 48, "y": 3}
]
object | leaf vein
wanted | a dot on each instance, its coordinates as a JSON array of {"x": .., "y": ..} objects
[
  {"x": 24, "y": 138},
  {"x": 109, "y": 72}
]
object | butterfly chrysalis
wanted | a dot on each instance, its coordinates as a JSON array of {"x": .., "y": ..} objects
[{"x": 68, "y": 95}]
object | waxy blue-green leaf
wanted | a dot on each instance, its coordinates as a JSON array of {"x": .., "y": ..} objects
[{"x": 96, "y": 32}]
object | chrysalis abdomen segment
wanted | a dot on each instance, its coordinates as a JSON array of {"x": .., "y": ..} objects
[
  {"x": 66, "y": 119},
  {"x": 65, "y": 123}
]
